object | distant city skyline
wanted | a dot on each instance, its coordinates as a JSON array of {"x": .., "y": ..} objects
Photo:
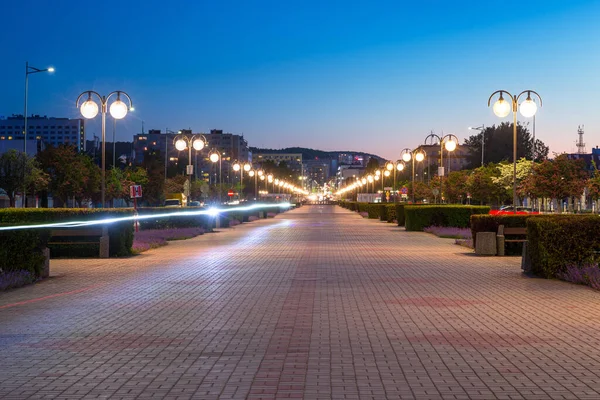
[{"x": 372, "y": 78}]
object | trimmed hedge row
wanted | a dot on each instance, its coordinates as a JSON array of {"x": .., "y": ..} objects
[
  {"x": 419, "y": 217},
  {"x": 22, "y": 250},
  {"x": 556, "y": 241}
]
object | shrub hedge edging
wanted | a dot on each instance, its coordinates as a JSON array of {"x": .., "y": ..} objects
[
  {"x": 419, "y": 217},
  {"x": 555, "y": 241}
]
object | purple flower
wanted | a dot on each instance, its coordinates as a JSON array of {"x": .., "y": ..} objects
[
  {"x": 11, "y": 279},
  {"x": 152, "y": 238},
  {"x": 449, "y": 232}
]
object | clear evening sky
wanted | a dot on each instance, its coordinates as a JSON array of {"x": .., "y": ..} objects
[{"x": 333, "y": 75}]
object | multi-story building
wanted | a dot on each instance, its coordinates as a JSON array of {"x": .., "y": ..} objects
[
  {"x": 50, "y": 131},
  {"x": 231, "y": 147},
  {"x": 317, "y": 172}
]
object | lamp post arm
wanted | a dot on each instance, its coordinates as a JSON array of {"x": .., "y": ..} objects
[
  {"x": 119, "y": 93},
  {"x": 512, "y": 98},
  {"x": 89, "y": 93},
  {"x": 529, "y": 95}
]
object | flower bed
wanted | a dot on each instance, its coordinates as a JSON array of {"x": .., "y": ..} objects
[
  {"x": 152, "y": 238},
  {"x": 449, "y": 232},
  {"x": 588, "y": 274},
  {"x": 12, "y": 279}
]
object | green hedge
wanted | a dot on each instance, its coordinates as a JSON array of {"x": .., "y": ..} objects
[
  {"x": 419, "y": 217},
  {"x": 400, "y": 217},
  {"x": 555, "y": 241},
  {"x": 22, "y": 250},
  {"x": 387, "y": 212}
]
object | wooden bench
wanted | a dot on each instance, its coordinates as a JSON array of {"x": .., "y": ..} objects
[
  {"x": 90, "y": 235},
  {"x": 508, "y": 231}
]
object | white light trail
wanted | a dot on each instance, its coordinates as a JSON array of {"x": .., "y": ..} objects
[{"x": 213, "y": 212}]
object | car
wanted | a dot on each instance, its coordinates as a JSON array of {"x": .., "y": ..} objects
[
  {"x": 172, "y": 203},
  {"x": 195, "y": 204},
  {"x": 509, "y": 210}
]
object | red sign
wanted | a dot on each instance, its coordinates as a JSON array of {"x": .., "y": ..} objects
[
  {"x": 230, "y": 193},
  {"x": 135, "y": 191}
]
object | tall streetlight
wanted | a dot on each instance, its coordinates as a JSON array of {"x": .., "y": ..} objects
[
  {"x": 481, "y": 129},
  {"x": 28, "y": 71},
  {"x": 408, "y": 155},
  {"x": 215, "y": 156},
  {"x": 502, "y": 108},
  {"x": 182, "y": 142},
  {"x": 391, "y": 166},
  {"x": 118, "y": 110},
  {"x": 448, "y": 142}
]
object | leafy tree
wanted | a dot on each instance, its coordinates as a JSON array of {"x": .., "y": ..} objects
[
  {"x": 72, "y": 174},
  {"x": 593, "y": 184},
  {"x": 481, "y": 185},
  {"x": 557, "y": 179},
  {"x": 455, "y": 186},
  {"x": 504, "y": 180},
  {"x": 154, "y": 166},
  {"x": 499, "y": 145},
  {"x": 13, "y": 164}
]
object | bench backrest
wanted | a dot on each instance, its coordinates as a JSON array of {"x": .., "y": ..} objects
[
  {"x": 77, "y": 232},
  {"x": 511, "y": 231}
]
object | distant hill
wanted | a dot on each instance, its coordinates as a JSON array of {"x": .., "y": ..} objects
[{"x": 312, "y": 154}]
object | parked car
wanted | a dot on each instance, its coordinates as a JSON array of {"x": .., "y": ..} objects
[
  {"x": 509, "y": 210},
  {"x": 195, "y": 204},
  {"x": 171, "y": 203}
]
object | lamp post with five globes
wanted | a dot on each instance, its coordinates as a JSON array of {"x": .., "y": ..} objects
[{"x": 118, "y": 110}]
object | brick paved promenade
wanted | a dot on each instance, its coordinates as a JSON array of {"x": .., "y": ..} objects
[{"x": 317, "y": 303}]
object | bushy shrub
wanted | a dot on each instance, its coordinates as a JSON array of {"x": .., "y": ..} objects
[
  {"x": 400, "y": 217},
  {"x": 390, "y": 212},
  {"x": 21, "y": 256},
  {"x": 555, "y": 241},
  {"x": 373, "y": 210},
  {"x": 419, "y": 217}
]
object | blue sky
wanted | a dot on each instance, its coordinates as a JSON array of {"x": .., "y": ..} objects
[{"x": 335, "y": 75}]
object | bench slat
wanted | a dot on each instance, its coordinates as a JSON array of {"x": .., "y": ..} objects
[
  {"x": 515, "y": 231},
  {"x": 76, "y": 232}
]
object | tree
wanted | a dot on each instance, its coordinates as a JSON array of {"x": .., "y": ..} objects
[
  {"x": 154, "y": 166},
  {"x": 504, "y": 179},
  {"x": 13, "y": 164},
  {"x": 499, "y": 145},
  {"x": 72, "y": 174},
  {"x": 557, "y": 179},
  {"x": 455, "y": 186},
  {"x": 481, "y": 185}
]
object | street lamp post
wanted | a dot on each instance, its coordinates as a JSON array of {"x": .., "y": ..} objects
[
  {"x": 448, "y": 142},
  {"x": 481, "y": 129},
  {"x": 215, "y": 156},
  {"x": 182, "y": 142},
  {"x": 28, "y": 71},
  {"x": 118, "y": 110},
  {"x": 502, "y": 108},
  {"x": 408, "y": 155}
]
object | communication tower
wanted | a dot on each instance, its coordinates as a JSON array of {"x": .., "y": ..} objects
[{"x": 580, "y": 143}]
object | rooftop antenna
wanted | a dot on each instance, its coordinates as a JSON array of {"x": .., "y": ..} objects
[
  {"x": 580, "y": 143},
  {"x": 142, "y": 127}
]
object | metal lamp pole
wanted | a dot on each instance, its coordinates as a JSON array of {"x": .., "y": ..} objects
[
  {"x": 481, "y": 129},
  {"x": 502, "y": 108},
  {"x": 408, "y": 155},
  {"x": 28, "y": 71},
  {"x": 118, "y": 110},
  {"x": 449, "y": 142}
]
